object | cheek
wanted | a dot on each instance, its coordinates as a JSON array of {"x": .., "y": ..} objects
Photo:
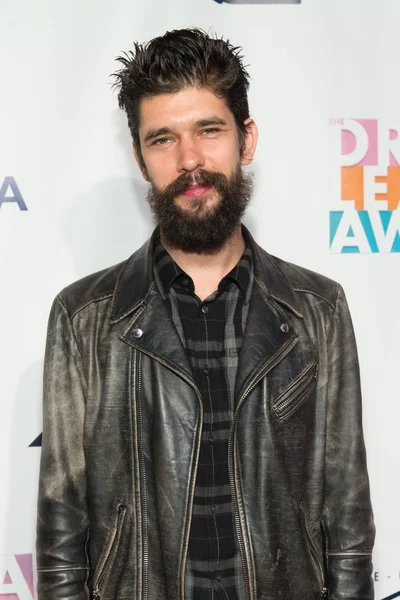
[
  {"x": 159, "y": 172},
  {"x": 225, "y": 157},
  {"x": 151, "y": 175}
]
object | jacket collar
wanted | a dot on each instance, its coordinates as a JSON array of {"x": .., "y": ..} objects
[
  {"x": 137, "y": 279},
  {"x": 134, "y": 282},
  {"x": 273, "y": 279}
]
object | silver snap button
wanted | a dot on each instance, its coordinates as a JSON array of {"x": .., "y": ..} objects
[
  {"x": 137, "y": 333},
  {"x": 285, "y": 327},
  {"x": 204, "y": 309}
]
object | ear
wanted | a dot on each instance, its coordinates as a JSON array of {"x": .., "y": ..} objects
[
  {"x": 250, "y": 141},
  {"x": 140, "y": 162}
]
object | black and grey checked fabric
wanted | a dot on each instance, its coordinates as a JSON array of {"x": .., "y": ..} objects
[{"x": 212, "y": 334}]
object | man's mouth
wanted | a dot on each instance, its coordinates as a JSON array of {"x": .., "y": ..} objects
[{"x": 196, "y": 191}]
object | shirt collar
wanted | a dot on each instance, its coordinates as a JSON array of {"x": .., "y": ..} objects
[
  {"x": 168, "y": 273},
  {"x": 166, "y": 270}
]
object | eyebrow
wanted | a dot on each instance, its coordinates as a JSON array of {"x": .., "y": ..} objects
[
  {"x": 154, "y": 133},
  {"x": 208, "y": 122}
]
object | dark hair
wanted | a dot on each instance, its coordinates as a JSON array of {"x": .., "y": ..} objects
[{"x": 181, "y": 58}]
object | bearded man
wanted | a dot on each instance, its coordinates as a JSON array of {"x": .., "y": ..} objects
[{"x": 202, "y": 415}]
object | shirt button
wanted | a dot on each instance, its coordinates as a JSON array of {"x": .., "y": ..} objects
[
  {"x": 204, "y": 309},
  {"x": 206, "y": 371},
  {"x": 285, "y": 327},
  {"x": 185, "y": 281},
  {"x": 213, "y": 509},
  {"x": 137, "y": 333},
  {"x": 211, "y": 438}
]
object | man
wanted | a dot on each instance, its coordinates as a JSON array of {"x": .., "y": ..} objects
[{"x": 202, "y": 420}]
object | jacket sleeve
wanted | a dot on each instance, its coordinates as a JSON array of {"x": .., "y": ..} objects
[
  {"x": 62, "y": 524},
  {"x": 348, "y": 520}
]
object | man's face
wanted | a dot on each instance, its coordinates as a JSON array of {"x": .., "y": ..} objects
[{"x": 192, "y": 159}]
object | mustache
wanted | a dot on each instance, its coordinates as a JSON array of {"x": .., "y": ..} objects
[{"x": 182, "y": 183}]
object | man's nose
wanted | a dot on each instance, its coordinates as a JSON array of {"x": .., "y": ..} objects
[{"x": 190, "y": 156}]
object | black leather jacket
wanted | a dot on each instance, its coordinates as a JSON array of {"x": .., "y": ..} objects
[{"x": 122, "y": 427}]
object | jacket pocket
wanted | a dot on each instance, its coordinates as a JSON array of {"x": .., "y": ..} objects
[
  {"x": 294, "y": 396},
  {"x": 107, "y": 560},
  {"x": 314, "y": 553}
]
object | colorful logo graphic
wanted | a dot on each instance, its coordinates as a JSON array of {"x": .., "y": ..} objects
[
  {"x": 259, "y": 1},
  {"x": 366, "y": 215},
  {"x": 16, "y": 577}
]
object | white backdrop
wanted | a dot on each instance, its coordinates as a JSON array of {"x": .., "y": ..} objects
[{"x": 65, "y": 148}]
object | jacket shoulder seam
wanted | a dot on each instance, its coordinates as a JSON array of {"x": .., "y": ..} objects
[
  {"x": 315, "y": 293},
  {"x": 296, "y": 283},
  {"x": 71, "y": 327},
  {"x": 333, "y": 311},
  {"x": 91, "y": 301}
]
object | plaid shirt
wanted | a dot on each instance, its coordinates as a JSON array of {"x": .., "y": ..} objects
[{"x": 211, "y": 333}]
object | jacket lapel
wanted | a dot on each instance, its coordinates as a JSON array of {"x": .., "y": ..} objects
[
  {"x": 268, "y": 338},
  {"x": 271, "y": 331},
  {"x": 152, "y": 331}
]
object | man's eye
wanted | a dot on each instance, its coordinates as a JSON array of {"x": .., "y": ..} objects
[
  {"x": 160, "y": 142},
  {"x": 210, "y": 130}
]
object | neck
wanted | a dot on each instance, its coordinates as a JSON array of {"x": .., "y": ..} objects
[{"x": 207, "y": 270}]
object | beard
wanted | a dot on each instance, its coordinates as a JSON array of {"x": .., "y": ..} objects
[{"x": 201, "y": 229}]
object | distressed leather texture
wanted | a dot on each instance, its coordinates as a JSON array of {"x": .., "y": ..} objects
[{"x": 122, "y": 424}]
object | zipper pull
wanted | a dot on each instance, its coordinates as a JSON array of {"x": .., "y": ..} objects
[
  {"x": 96, "y": 594},
  {"x": 324, "y": 593}
]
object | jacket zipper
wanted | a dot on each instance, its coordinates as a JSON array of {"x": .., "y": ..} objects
[
  {"x": 314, "y": 554},
  {"x": 145, "y": 547},
  {"x": 300, "y": 393},
  {"x": 237, "y": 502},
  {"x": 192, "y": 487},
  {"x": 193, "y": 483},
  {"x": 109, "y": 560},
  {"x": 137, "y": 478}
]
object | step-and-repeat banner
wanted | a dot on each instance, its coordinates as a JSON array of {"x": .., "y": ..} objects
[{"x": 326, "y": 96}]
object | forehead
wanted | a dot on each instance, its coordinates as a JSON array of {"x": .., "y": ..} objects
[{"x": 182, "y": 109}]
